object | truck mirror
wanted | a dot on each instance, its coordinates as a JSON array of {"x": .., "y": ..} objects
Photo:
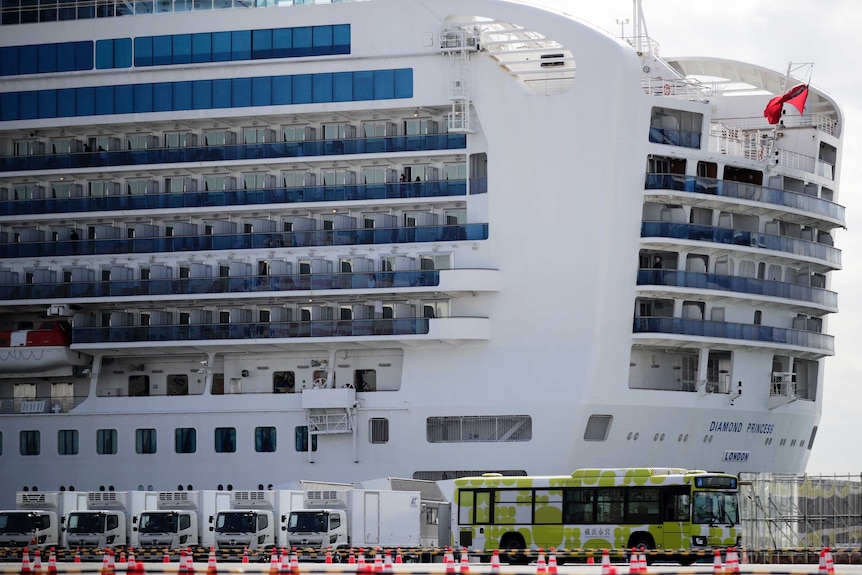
[
  {"x": 283, "y": 517},
  {"x": 211, "y": 518},
  {"x": 212, "y": 528}
]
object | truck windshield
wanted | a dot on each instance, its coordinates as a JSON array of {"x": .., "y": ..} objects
[
  {"x": 86, "y": 523},
  {"x": 715, "y": 507},
  {"x": 234, "y": 522},
  {"x": 17, "y": 523},
  {"x": 158, "y": 523},
  {"x": 305, "y": 521}
]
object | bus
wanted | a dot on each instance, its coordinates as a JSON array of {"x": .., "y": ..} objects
[{"x": 672, "y": 511}]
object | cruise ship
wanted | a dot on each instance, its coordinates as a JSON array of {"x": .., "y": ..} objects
[{"x": 245, "y": 243}]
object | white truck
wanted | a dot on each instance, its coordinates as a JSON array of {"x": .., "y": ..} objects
[
  {"x": 342, "y": 518},
  {"x": 435, "y": 517},
  {"x": 105, "y": 519},
  {"x": 255, "y": 520},
  {"x": 37, "y": 519},
  {"x": 175, "y": 519}
]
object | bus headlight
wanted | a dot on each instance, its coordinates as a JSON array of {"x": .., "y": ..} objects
[{"x": 698, "y": 540}]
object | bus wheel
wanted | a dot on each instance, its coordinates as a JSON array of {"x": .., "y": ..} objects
[
  {"x": 512, "y": 547},
  {"x": 643, "y": 542}
]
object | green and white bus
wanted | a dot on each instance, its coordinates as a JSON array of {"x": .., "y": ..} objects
[{"x": 664, "y": 509}]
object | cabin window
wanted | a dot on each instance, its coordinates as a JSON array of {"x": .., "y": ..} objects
[
  {"x": 264, "y": 439},
  {"x": 301, "y": 439},
  {"x": 67, "y": 442},
  {"x": 365, "y": 379},
  {"x": 378, "y": 431},
  {"x": 30, "y": 442},
  {"x": 675, "y": 127},
  {"x": 225, "y": 439},
  {"x": 283, "y": 382},
  {"x": 178, "y": 384},
  {"x": 145, "y": 441},
  {"x": 106, "y": 441},
  {"x": 185, "y": 440},
  {"x": 218, "y": 384},
  {"x": 598, "y": 427},
  {"x": 139, "y": 385}
]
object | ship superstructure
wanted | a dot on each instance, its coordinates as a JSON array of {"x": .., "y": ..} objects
[{"x": 289, "y": 244}]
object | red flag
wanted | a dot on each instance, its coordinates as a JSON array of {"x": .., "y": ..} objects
[{"x": 795, "y": 96}]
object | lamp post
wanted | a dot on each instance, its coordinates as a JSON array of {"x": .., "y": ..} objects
[{"x": 622, "y": 24}]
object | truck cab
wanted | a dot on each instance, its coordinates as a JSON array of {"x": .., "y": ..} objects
[
  {"x": 241, "y": 529},
  {"x": 173, "y": 529},
  {"x": 95, "y": 529},
  {"x": 317, "y": 528},
  {"x": 28, "y": 528}
]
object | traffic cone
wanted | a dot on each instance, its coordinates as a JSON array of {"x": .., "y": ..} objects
[
  {"x": 52, "y": 563},
  {"x": 37, "y": 562},
  {"x": 25, "y": 562},
  {"x": 77, "y": 555},
  {"x": 387, "y": 564},
  {"x": 495, "y": 562},
  {"x": 398, "y": 559},
  {"x": 294, "y": 562},
  {"x": 183, "y": 568},
  {"x": 351, "y": 559},
  {"x": 190, "y": 561},
  {"x": 541, "y": 567},
  {"x": 642, "y": 565},
  {"x": 744, "y": 559},
  {"x": 450, "y": 563},
  {"x": 328, "y": 555},
  {"x": 131, "y": 559},
  {"x": 821, "y": 566},
  {"x": 552, "y": 562},
  {"x": 830, "y": 563},
  {"x": 166, "y": 556},
  {"x": 732, "y": 561},
  {"x": 212, "y": 566},
  {"x": 122, "y": 558},
  {"x": 283, "y": 562},
  {"x": 465, "y": 562},
  {"x": 606, "y": 563},
  {"x": 634, "y": 563},
  {"x": 112, "y": 565},
  {"x": 274, "y": 565},
  {"x": 245, "y": 555},
  {"x": 717, "y": 566},
  {"x": 591, "y": 560},
  {"x": 360, "y": 561},
  {"x": 378, "y": 561}
]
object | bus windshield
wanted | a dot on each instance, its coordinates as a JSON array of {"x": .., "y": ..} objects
[
  {"x": 86, "y": 523},
  {"x": 715, "y": 507}
]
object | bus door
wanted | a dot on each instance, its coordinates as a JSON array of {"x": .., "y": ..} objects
[
  {"x": 677, "y": 517},
  {"x": 475, "y": 516}
]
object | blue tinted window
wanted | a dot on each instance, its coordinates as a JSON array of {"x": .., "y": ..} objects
[
  {"x": 85, "y": 12},
  {"x": 241, "y": 45},
  {"x": 384, "y": 84},
  {"x": 104, "y": 100},
  {"x": 85, "y": 101},
  {"x": 342, "y": 87},
  {"x": 404, "y": 83},
  {"x": 124, "y": 99},
  {"x": 221, "y": 94},
  {"x": 322, "y": 87},
  {"x": 281, "y": 90},
  {"x": 9, "y": 106},
  {"x": 104, "y": 54},
  {"x": 143, "y": 51},
  {"x": 261, "y": 44},
  {"x": 261, "y": 91},
  {"x": 48, "y": 58},
  {"x": 28, "y": 57},
  {"x": 302, "y": 89},
  {"x": 66, "y": 103},
  {"x": 83, "y": 55},
  {"x": 28, "y": 106},
  {"x": 162, "y": 49},
  {"x": 9, "y": 61},
  {"x": 47, "y": 103},
  {"x": 162, "y": 97},
  {"x": 302, "y": 41},
  {"x": 143, "y": 98},
  {"x": 182, "y": 96},
  {"x": 241, "y": 92},
  {"x": 321, "y": 40},
  {"x": 363, "y": 85},
  {"x": 221, "y": 47},
  {"x": 341, "y": 39},
  {"x": 182, "y": 49},
  {"x": 201, "y": 48},
  {"x": 66, "y": 57},
  {"x": 202, "y": 95},
  {"x": 282, "y": 43},
  {"x": 123, "y": 53}
]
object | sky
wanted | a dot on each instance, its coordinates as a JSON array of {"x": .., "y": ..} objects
[{"x": 771, "y": 33}]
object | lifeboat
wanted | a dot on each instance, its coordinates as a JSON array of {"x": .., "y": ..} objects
[{"x": 45, "y": 348}]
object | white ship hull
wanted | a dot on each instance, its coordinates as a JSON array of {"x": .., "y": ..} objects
[{"x": 521, "y": 301}]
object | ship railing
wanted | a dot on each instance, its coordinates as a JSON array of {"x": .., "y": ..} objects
[
  {"x": 782, "y": 385},
  {"x": 820, "y": 122},
  {"x": 745, "y": 191},
  {"x": 40, "y": 405},
  {"x": 676, "y": 89}
]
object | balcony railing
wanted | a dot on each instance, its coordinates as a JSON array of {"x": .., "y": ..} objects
[
  {"x": 737, "y": 331},
  {"x": 209, "y": 199},
  {"x": 305, "y": 149},
  {"x": 742, "y": 238},
  {"x": 40, "y": 404},
  {"x": 245, "y": 331},
  {"x": 240, "y": 284},
  {"x": 161, "y": 244},
  {"x": 738, "y": 284},
  {"x": 739, "y": 190}
]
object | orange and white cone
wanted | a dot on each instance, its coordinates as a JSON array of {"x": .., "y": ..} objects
[
  {"x": 495, "y": 562},
  {"x": 25, "y": 562},
  {"x": 183, "y": 568},
  {"x": 351, "y": 559},
  {"x": 378, "y": 561},
  {"x": 450, "y": 563},
  {"x": 552, "y": 562},
  {"x": 732, "y": 561},
  {"x": 360, "y": 561},
  {"x": 591, "y": 560},
  {"x": 112, "y": 565},
  {"x": 465, "y": 562},
  {"x": 245, "y": 555},
  {"x": 77, "y": 555},
  {"x": 744, "y": 558},
  {"x": 294, "y": 562},
  {"x": 606, "y": 563},
  {"x": 37, "y": 562},
  {"x": 52, "y": 563},
  {"x": 830, "y": 563},
  {"x": 634, "y": 562},
  {"x": 642, "y": 563},
  {"x": 398, "y": 558},
  {"x": 717, "y": 565},
  {"x": 212, "y": 566},
  {"x": 328, "y": 555},
  {"x": 166, "y": 556},
  {"x": 541, "y": 566},
  {"x": 821, "y": 566},
  {"x": 131, "y": 559},
  {"x": 387, "y": 563}
]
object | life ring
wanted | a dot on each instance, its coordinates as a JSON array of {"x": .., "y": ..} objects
[
  {"x": 759, "y": 154},
  {"x": 667, "y": 89},
  {"x": 320, "y": 382}
]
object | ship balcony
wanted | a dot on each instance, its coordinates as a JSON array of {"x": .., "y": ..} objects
[
  {"x": 198, "y": 155},
  {"x": 175, "y": 244},
  {"x": 266, "y": 334},
  {"x": 748, "y": 241},
  {"x": 297, "y": 285},
  {"x": 670, "y": 331},
  {"x": 226, "y": 198},
  {"x": 655, "y": 281},
  {"x": 39, "y": 404},
  {"x": 791, "y": 206}
]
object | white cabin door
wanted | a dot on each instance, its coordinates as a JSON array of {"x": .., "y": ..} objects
[{"x": 372, "y": 518}]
